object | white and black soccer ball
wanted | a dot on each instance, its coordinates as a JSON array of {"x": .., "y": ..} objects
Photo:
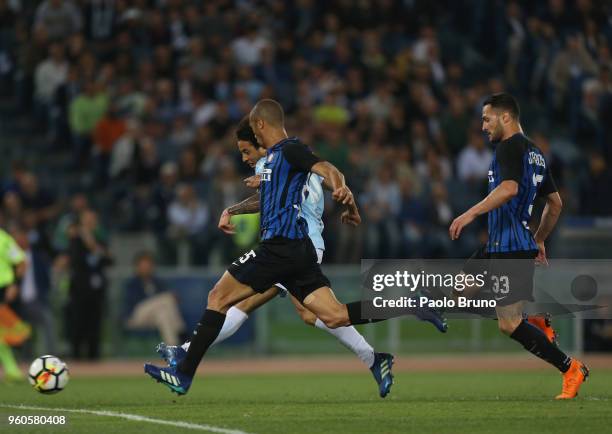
[{"x": 48, "y": 374}]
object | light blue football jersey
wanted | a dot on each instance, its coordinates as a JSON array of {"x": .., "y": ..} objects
[{"x": 313, "y": 203}]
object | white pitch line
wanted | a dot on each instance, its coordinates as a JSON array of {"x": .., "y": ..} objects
[{"x": 133, "y": 417}]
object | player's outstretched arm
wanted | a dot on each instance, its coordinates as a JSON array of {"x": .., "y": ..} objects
[
  {"x": 550, "y": 215},
  {"x": 499, "y": 196},
  {"x": 334, "y": 180},
  {"x": 248, "y": 206}
]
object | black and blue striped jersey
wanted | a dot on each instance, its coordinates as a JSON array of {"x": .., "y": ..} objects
[
  {"x": 517, "y": 159},
  {"x": 282, "y": 179}
]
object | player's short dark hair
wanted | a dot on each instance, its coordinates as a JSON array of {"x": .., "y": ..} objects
[
  {"x": 245, "y": 132},
  {"x": 505, "y": 102},
  {"x": 269, "y": 111}
]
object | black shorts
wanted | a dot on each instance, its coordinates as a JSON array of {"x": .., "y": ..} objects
[
  {"x": 293, "y": 263},
  {"x": 509, "y": 275}
]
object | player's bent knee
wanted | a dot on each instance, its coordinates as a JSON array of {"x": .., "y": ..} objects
[
  {"x": 218, "y": 300},
  {"x": 335, "y": 319},
  {"x": 213, "y": 298},
  {"x": 308, "y": 317}
]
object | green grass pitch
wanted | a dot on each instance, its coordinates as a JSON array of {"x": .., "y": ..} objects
[{"x": 430, "y": 402}]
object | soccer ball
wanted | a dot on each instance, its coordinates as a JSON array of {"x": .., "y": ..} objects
[{"x": 48, "y": 374}]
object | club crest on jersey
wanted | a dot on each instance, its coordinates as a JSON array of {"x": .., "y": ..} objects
[{"x": 270, "y": 157}]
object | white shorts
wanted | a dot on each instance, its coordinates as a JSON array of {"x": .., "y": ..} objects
[{"x": 283, "y": 291}]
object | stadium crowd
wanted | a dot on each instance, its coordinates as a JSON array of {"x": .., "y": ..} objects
[{"x": 143, "y": 97}]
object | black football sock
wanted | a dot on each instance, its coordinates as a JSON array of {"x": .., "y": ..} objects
[
  {"x": 534, "y": 341},
  {"x": 203, "y": 336},
  {"x": 354, "y": 313}
]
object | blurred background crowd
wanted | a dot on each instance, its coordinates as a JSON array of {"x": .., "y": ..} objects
[{"x": 117, "y": 117}]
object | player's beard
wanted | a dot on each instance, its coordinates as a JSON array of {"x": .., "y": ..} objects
[{"x": 497, "y": 133}]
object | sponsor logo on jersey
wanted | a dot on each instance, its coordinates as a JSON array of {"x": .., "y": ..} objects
[{"x": 266, "y": 174}]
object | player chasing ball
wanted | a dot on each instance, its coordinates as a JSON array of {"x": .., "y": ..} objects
[
  {"x": 285, "y": 254},
  {"x": 312, "y": 206},
  {"x": 517, "y": 175}
]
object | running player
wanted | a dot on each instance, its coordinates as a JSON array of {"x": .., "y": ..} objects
[
  {"x": 312, "y": 211},
  {"x": 518, "y": 174},
  {"x": 286, "y": 253}
]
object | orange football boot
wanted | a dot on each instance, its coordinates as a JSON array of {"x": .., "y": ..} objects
[
  {"x": 573, "y": 379},
  {"x": 543, "y": 323}
]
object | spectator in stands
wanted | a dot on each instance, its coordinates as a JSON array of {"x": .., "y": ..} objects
[
  {"x": 331, "y": 112},
  {"x": 166, "y": 107},
  {"x": 107, "y": 132},
  {"x": 474, "y": 160},
  {"x": 438, "y": 243},
  {"x": 125, "y": 148},
  {"x": 455, "y": 123},
  {"x": 37, "y": 199},
  {"x": 572, "y": 62},
  {"x": 49, "y": 76},
  {"x": 85, "y": 112},
  {"x": 189, "y": 172},
  {"x": 595, "y": 192},
  {"x": 436, "y": 166},
  {"x": 37, "y": 232},
  {"x": 380, "y": 102},
  {"x": 146, "y": 164},
  {"x": 247, "y": 49},
  {"x": 12, "y": 182},
  {"x": 129, "y": 98},
  {"x": 163, "y": 196},
  {"x": 249, "y": 84},
  {"x": 88, "y": 259},
  {"x": 58, "y": 18},
  {"x": 78, "y": 204},
  {"x": 333, "y": 148},
  {"x": 413, "y": 218},
  {"x": 382, "y": 202},
  {"x": 12, "y": 209},
  {"x": 182, "y": 135},
  {"x": 189, "y": 222},
  {"x": 150, "y": 305},
  {"x": 59, "y": 116},
  {"x": 204, "y": 110},
  {"x": 587, "y": 124}
]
